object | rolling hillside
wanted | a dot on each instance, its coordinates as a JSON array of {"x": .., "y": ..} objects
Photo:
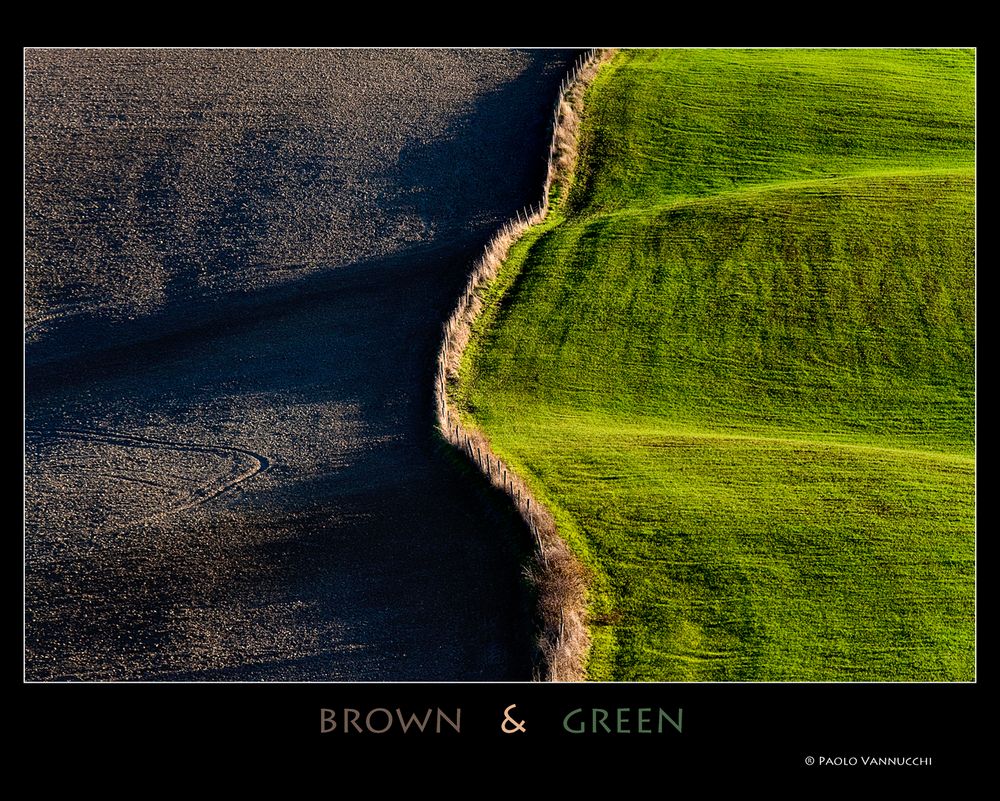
[{"x": 737, "y": 362}]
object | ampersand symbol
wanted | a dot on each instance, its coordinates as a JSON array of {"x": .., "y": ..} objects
[{"x": 514, "y": 725}]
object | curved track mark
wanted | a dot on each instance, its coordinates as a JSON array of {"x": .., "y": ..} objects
[{"x": 200, "y": 495}]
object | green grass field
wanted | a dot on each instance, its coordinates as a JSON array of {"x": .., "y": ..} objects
[{"x": 737, "y": 363}]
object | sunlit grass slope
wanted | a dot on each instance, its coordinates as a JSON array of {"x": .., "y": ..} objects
[{"x": 738, "y": 364}]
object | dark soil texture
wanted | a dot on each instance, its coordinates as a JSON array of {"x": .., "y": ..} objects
[{"x": 237, "y": 266}]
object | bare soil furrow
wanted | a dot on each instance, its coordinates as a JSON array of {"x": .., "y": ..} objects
[{"x": 233, "y": 254}]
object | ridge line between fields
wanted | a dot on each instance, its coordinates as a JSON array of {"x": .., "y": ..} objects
[{"x": 559, "y": 578}]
